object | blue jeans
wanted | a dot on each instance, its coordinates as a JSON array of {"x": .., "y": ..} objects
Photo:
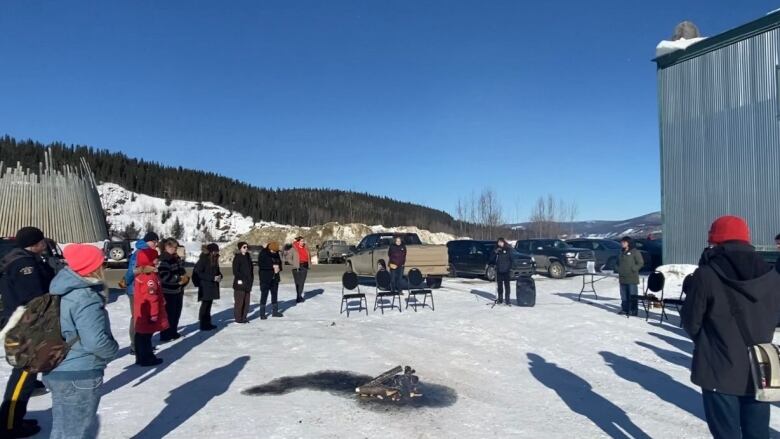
[
  {"x": 730, "y": 416},
  {"x": 628, "y": 302},
  {"x": 74, "y": 407},
  {"x": 396, "y": 279}
]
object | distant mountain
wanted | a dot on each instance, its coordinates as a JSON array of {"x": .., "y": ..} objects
[{"x": 639, "y": 226}]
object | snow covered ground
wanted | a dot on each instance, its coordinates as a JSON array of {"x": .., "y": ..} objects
[{"x": 562, "y": 369}]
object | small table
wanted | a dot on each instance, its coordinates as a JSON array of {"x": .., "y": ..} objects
[{"x": 589, "y": 286}]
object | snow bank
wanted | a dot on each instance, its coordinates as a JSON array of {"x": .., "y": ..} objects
[
  {"x": 665, "y": 47},
  {"x": 675, "y": 274}
]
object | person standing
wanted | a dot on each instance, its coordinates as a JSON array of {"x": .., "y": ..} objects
[
  {"x": 733, "y": 291},
  {"x": 209, "y": 276},
  {"x": 24, "y": 275},
  {"x": 150, "y": 240},
  {"x": 503, "y": 262},
  {"x": 243, "y": 278},
  {"x": 150, "y": 314},
  {"x": 396, "y": 256},
  {"x": 630, "y": 262},
  {"x": 173, "y": 279},
  {"x": 298, "y": 258},
  {"x": 75, "y": 383},
  {"x": 269, "y": 265}
]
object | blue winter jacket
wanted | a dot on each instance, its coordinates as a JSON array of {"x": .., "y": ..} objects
[
  {"x": 129, "y": 275},
  {"x": 83, "y": 315}
]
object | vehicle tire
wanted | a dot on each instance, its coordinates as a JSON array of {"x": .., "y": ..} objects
[
  {"x": 490, "y": 273},
  {"x": 556, "y": 270},
  {"x": 433, "y": 282},
  {"x": 116, "y": 253}
]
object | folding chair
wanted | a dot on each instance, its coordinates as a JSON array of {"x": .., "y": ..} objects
[
  {"x": 350, "y": 282},
  {"x": 383, "y": 287},
  {"x": 655, "y": 284},
  {"x": 677, "y": 303},
  {"x": 417, "y": 288}
]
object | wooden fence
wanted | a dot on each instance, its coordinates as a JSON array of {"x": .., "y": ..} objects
[{"x": 63, "y": 202}]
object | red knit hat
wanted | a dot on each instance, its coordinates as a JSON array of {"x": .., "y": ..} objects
[
  {"x": 146, "y": 257},
  {"x": 729, "y": 228},
  {"x": 84, "y": 259}
]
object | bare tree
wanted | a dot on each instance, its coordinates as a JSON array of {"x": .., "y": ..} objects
[{"x": 574, "y": 210}]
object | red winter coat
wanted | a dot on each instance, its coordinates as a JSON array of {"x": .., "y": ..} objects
[{"x": 149, "y": 304}]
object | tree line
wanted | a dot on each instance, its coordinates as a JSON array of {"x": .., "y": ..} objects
[{"x": 302, "y": 206}]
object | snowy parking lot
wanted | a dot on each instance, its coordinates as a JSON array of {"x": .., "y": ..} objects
[{"x": 560, "y": 370}]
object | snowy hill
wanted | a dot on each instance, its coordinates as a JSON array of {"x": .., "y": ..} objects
[
  {"x": 199, "y": 221},
  {"x": 207, "y": 222},
  {"x": 639, "y": 226}
]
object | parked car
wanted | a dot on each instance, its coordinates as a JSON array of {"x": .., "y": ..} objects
[
  {"x": 475, "y": 258},
  {"x": 333, "y": 251},
  {"x": 557, "y": 258},
  {"x": 431, "y": 260},
  {"x": 117, "y": 251},
  {"x": 654, "y": 248},
  {"x": 607, "y": 253},
  {"x": 52, "y": 255}
]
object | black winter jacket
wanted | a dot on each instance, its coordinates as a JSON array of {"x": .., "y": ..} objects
[
  {"x": 170, "y": 271},
  {"x": 720, "y": 358},
  {"x": 243, "y": 276},
  {"x": 206, "y": 272},
  {"x": 502, "y": 257},
  {"x": 265, "y": 266},
  {"x": 23, "y": 277}
]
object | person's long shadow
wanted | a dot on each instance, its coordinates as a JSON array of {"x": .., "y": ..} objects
[
  {"x": 484, "y": 294},
  {"x": 175, "y": 351},
  {"x": 656, "y": 382},
  {"x": 189, "y": 398},
  {"x": 285, "y": 305},
  {"x": 672, "y": 357},
  {"x": 682, "y": 345},
  {"x": 578, "y": 394}
]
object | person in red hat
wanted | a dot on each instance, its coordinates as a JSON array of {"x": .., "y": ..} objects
[
  {"x": 733, "y": 302},
  {"x": 149, "y": 307},
  {"x": 75, "y": 383}
]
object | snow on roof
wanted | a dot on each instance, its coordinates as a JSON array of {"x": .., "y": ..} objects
[{"x": 665, "y": 47}]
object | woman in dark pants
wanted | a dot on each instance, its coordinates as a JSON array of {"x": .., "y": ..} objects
[
  {"x": 243, "y": 278},
  {"x": 269, "y": 265},
  {"x": 396, "y": 256},
  {"x": 209, "y": 277},
  {"x": 173, "y": 278}
]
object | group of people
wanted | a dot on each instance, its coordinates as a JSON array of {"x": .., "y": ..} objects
[{"x": 154, "y": 282}]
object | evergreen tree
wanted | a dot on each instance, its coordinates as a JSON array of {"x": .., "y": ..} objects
[{"x": 177, "y": 230}]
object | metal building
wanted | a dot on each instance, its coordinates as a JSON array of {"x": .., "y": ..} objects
[{"x": 720, "y": 136}]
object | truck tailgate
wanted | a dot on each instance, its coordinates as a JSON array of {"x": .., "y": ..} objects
[{"x": 431, "y": 260}]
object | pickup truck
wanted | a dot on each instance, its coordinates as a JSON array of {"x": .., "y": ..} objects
[
  {"x": 556, "y": 257},
  {"x": 332, "y": 251},
  {"x": 431, "y": 260}
]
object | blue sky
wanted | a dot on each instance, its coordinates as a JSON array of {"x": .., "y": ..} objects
[{"x": 423, "y": 101}]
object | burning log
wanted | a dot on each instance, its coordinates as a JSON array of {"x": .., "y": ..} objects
[{"x": 392, "y": 385}]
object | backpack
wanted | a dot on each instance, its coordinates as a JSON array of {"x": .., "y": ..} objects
[{"x": 33, "y": 337}]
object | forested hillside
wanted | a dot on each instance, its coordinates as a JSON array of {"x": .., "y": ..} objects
[{"x": 302, "y": 207}]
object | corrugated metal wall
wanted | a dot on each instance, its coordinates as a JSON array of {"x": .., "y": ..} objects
[{"x": 720, "y": 144}]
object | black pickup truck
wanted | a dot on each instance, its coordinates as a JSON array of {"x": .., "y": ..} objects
[
  {"x": 475, "y": 258},
  {"x": 556, "y": 257}
]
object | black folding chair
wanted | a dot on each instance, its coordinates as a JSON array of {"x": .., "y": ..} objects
[
  {"x": 677, "y": 303},
  {"x": 417, "y": 287},
  {"x": 383, "y": 287},
  {"x": 350, "y": 282},
  {"x": 655, "y": 284}
]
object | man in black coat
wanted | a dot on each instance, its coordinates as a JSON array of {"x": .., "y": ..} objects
[
  {"x": 730, "y": 271},
  {"x": 243, "y": 278},
  {"x": 502, "y": 257},
  {"x": 24, "y": 275}
]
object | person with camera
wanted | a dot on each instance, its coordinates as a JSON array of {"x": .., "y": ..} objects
[
  {"x": 732, "y": 302},
  {"x": 207, "y": 276}
]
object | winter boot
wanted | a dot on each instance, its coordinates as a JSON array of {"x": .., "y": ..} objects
[{"x": 276, "y": 312}]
